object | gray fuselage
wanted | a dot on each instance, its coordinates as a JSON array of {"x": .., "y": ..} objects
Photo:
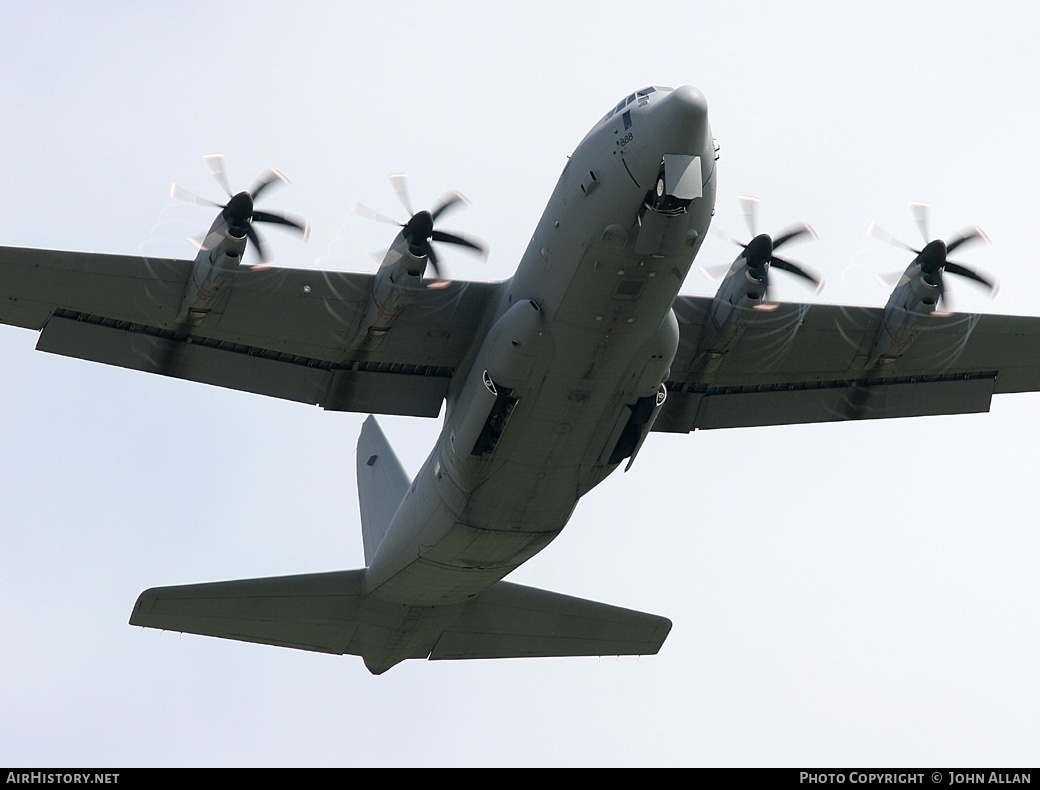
[{"x": 582, "y": 339}]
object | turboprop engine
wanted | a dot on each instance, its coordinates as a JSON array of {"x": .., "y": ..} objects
[
  {"x": 405, "y": 263},
  {"x": 220, "y": 252},
  {"x": 746, "y": 289},
  {"x": 921, "y": 290}
]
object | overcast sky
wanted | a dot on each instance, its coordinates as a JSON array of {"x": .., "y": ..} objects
[{"x": 842, "y": 595}]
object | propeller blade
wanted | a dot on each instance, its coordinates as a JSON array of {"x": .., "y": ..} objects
[
  {"x": 749, "y": 208},
  {"x": 933, "y": 260},
  {"x": 238, "y": 211},
  {"x": 178, "y": 193},
  {"x": 873, "y": 229},
  {"x": 801, "y": 229},
  {"x": 726, "y": 237},
  {"x": 215, "y": 165},
  {"x": 451, "y": 238},
  {"x": 399, "y": 181},
  {"x": 431, "y": 256},
  {"x": 254, "y": 237},
  {"x": 362, "y": 210},
  {"x": 965, "y": 236},
  {"x": 265, "y": 179},
  {"x": 796, "y": 269},
  {"x": 418, "y": 230},
  {"x": 759, "y": 251},
  {"x": 892, "y": 279},
  {"x": 282, "y": 219},
  {"x": 966, "y": 271},
  {"x": 944, "y": 302},
  {"x": 715, "y": 272},
  {"x": 919, "y": 211},
  {"x": 448, "y": 201},
  {"x": 768, "y": 303}
]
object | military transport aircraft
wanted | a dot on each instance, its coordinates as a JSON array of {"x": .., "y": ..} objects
[{"x": 550, "y": 381}]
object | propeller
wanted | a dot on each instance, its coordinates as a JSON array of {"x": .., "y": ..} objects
[
  {"x": 933, "y": 256},
  {"x": 419, "y": 230},
  {"x": 239, "y": 212},
  {"x": 760, "y": 252}
]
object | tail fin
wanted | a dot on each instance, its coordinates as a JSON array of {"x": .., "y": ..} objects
[{"x": 382, "y": 484}]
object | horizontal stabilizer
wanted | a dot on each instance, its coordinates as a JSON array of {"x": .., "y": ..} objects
[
  {"x": 317, "y": 611},
  {"x": 511, "y": 621},
  {"x": 328, "y": 613}
]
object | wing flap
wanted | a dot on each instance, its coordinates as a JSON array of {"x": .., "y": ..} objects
[
  {"x": 512, "y": 621},
  {"x": 688, "y": 411},
  {"x": 334, "y": 387},
  {"x": 154, "y": 353}
]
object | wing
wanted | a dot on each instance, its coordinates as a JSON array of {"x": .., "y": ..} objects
[
  {"x": 811, "y": 363},
  {"x": 286, "y": 333}
]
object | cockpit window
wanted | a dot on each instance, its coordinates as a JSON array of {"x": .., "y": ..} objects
[
  {"x": 621, "y": 105},
  {"x": 642, "y": 96}
]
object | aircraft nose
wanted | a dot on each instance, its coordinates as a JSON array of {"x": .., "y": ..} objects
[{"x": 685, "y": 108}]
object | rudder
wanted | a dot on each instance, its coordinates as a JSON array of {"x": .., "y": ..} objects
[{"x": 382, "y": 484}]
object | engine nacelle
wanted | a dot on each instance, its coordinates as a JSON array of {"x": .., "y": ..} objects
[
  {"x": 738, "y": 302},
  {"x": 914, "y": 297},
  {"x": 745, "y": 289},
  {"x": 393, "y": 288},
  {"x": 214, "y": 269}
]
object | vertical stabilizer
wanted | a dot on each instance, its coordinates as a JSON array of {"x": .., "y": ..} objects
[{"x": 382, "y": 484}]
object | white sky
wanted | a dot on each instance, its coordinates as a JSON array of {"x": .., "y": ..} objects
[{"x": 859, "y": 594}]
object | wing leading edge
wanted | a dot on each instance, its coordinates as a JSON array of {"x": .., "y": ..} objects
[
  {"x": 285, "y": 333},
  {"x": 806, "y": 363}
]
